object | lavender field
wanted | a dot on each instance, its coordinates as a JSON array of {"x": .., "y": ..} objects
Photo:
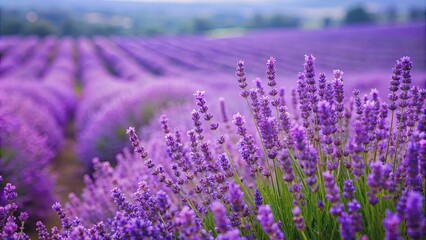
[{"x": 275, "y": 134}]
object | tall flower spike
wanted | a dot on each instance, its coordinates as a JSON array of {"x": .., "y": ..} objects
[
  {"x": 259, "y": 86},
  {"x": 404, "y": 96},
  {"x": 286, "y": 124},
  {"x": 266, "y": 220},
  {"x": 246, "y": 145},
  {"x": 422, "y": 157},
  {"x": 270, "y": 73},
  {"x": 287, "y": 166},
  {"x": 66, "y": 223},
  {"x": 414, "y": 214},
  {"x": 333, "y": 193},
  {"x": 394, "y": 85},
  {"x": 236, "y": 198},
  {"x": 220, "y": 217},
  {"x": 349, "y": 190},
  {"x": 358, "y": 104},
  {"x": 187, "y": 223},
  {"x": 138, "y": 147},
  {"x": 255, "y": 104},
  {"x": 353, "y": 208},
  {"x": 303, "y": 94},
  {"x": 198, "y": 126},
  {"x": 310, "y": 81},
  {"x": 391, "y": 224},
  {"x": 322, "y": 80},
  {"x": 164, "y": 124},
  {"x": 258, "y": 199},
  {"x": 327, "y": 122},
  {"x": 413, "y": 180},
  {"x": 338, "y": 92},
  {"x": 347, "y": 230},
  {"x": 242, "y": 78},
  {"x": 298, "y": 219}
]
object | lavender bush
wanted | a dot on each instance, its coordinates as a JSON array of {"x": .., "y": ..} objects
[{"x": 338, "y": 168}]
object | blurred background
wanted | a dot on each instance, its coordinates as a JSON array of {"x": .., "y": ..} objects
[{"x": 212, "y": 17}]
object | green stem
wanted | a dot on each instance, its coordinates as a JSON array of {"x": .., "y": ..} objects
[
  {"x": 304, "y": 236},
  {"x": 390, "y": 135},
  {"x": 397, "y": 139}
]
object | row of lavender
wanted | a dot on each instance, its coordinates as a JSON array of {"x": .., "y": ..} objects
[
  {"x": 36, "y": 102},
  {"x": 337, "y": 168}
]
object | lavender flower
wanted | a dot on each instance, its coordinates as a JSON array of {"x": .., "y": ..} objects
[
  {"x": 188, "y": 224},
  {"x": 349, "y": 190},
  {"x": 258, "y": 199},
  {"x": 270, "y": 73},
  {"x": 43, "y": 234},
  {"x": 309, "y": 74},
  {"x": 303, "y": 95},
  {"x": 358, "y": 104},
  {"x": 394, "y": 85},
  {"x": 333, "y": 194},
  {"x": 422, "y": 157},
  {"x": 285, "y": 124},
  {"x": 233, "y": 234},
  {"x": 404, "y": 96},
  {"x": 413, "y": 180},
  {"x": 391, "y": 224},
  {"x": 255, "y": 105},
  {"x": 338, "y": 92},
  {"x": 164, "y": 124},
  {"x": 269, "y": 133},
  {"x": 414, "y": 214},
  {"x": 378, "y": 180},
  {"x": 220, "y": 216},
  {"x": 247, "y": 147},
  {"x": 9, "y": 192},
  {"x": 266, "y": 220},
  {"x": 66, "y": 223},
  {"x": 259, "y": 87},
  {"x": 242, "y": 78},
  {"x": 236, "y": 200},
  {"x": 347, "y": 231},
  {"x": 298, "y": 219},
  {"x": 353, "y": 208},
  {"x": 327, "y": 121},
  {"x": 322, "y": 80},
  {"x": 287, "y": 166},
  {"x": 402, "y": 204}
]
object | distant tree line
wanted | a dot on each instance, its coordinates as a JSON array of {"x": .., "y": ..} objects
[{"x": 69, "y": 23}]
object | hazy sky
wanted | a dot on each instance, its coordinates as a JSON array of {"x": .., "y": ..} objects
[{"x": 201, "y": 1}]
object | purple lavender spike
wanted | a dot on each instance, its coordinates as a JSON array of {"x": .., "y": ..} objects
[
  {"x": 414, "y": 215},
  {"x": 391, "y": 224},
  {"x": 242, "y": 78},
  {"x": 220, "y": 216},
  {"x": 266, "y": 220}
]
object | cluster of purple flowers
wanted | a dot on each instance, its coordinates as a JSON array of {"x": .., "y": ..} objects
[{"x": 323, "y": 174}]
